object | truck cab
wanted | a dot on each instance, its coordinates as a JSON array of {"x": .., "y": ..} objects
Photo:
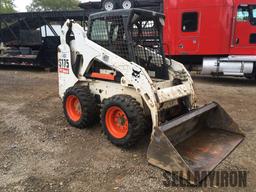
[
  {"x": 220, "y": 35},
  {"x": 244, "y": 35}
]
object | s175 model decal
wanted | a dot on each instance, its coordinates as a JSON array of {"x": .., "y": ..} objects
[{"x": 63, "y": 66}]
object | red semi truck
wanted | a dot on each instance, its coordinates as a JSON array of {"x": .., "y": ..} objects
[{"x": 217, "y": 35}]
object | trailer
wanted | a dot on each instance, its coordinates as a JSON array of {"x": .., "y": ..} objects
[
  {"x": 32, "y": 38},
  {"x": 109, "y": 5}
]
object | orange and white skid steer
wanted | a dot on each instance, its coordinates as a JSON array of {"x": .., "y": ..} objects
[{"x": 117, "y": 72}]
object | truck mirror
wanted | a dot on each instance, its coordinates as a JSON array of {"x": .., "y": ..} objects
[
  {"x": 162, "y": 21},
  {"x": 135, "y": 18}
]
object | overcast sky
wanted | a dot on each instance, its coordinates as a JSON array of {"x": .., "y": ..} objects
[{"x": 21, "y": 4}]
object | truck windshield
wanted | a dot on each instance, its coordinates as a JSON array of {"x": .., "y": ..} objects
[
  {"x": 253, "y": 14},
  {"x": 247, "y": 13}
]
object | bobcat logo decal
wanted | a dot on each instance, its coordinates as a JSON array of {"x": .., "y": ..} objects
[{"x": 136, "y": 74}]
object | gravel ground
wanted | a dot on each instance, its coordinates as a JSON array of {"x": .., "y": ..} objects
[{"x": 39, "y": 151}]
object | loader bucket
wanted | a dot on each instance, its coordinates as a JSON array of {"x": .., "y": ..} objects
[{"x": 194, "y": 143}]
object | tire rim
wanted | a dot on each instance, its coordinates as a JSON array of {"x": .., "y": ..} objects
[
  {"x": 73, "y": 108},
  {"x": 116, "y": 122},
  {"x": 109, "y": 6},
  {"x": 127, "y": 4}
]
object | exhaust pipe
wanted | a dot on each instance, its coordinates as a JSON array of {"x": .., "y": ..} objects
[{"x": 195, "y": 142}]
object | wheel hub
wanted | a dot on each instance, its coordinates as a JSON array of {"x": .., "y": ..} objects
[
  {"x": 73, "y": 108},
  {"x": 109, "y": 6},
  {"x": 117, "y": 122},
  {"x": 126, "y": 4}
]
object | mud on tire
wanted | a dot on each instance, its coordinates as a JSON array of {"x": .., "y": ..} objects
[{"x": 130, "y": 110}]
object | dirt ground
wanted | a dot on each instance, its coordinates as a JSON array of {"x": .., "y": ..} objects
[{"x": 39, "y": 151}]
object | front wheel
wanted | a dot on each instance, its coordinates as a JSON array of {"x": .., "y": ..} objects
[
  {"x": 122, "y": 120},
  {"x": 108, "y": 5}
]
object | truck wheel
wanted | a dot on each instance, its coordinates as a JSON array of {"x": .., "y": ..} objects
[
  {"x": 122, "y": 120},
  {"x": 108, "y": 5},
  {"x": 127, "y": 4},
  {"x": 80, "y": 107}
]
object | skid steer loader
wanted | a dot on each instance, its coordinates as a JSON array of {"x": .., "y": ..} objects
[{"x": 117, "y": 72}]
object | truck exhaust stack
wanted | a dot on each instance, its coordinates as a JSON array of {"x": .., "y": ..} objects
[{"x": 195, "y": 142}]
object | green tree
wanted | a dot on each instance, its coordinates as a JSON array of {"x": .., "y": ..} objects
[
  {"x": 6, "y": 6},
  {"x": 53, "y": 5}
]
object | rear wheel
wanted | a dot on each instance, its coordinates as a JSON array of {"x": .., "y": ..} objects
[
  {"x": 122, "y": 120},
  {"x": 127, "y": 4},
  {"x": 80, "y": 107},
  {"x": 108, "y": 5}
]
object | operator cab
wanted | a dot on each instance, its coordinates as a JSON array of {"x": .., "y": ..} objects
[{"x": 135, "y": 35}]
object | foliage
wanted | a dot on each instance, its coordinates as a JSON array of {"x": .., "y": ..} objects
[
  {"x": 53, "y": 5},
  {"x": 6, "y": 6}
]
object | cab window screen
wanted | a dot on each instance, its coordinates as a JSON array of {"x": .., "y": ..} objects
[
  {"x": 99, "y": 31},
  {"x": 189, "y": 22},
  {"x": 109, "y": 33}
]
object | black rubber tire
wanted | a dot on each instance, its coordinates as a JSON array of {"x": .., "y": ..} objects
[
  {"x": 121, "y": 4},
  {"x": 135, "y": 115},
  {"x": 90, "y": 110},
  {"x": 250, "y": 76},
  {"x": 108, "y": 1}
]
